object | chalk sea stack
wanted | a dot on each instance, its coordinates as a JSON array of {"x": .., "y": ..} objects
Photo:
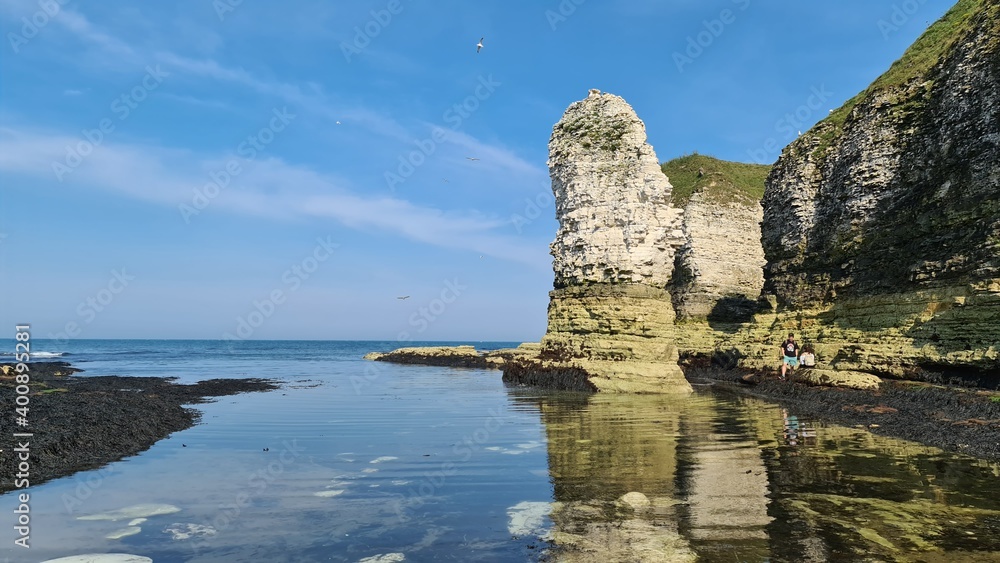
[{"x": 610, "y": 317}]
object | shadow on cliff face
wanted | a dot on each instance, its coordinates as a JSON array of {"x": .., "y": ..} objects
[{"x": 730, "y": 312}]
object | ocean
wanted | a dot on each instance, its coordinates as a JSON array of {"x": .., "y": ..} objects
[{"x": 353, "y": 460}]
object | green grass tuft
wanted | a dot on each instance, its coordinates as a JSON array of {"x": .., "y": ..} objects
[
  {"x": 915, "y": 64},
  {"x": 722, "y": 181}
]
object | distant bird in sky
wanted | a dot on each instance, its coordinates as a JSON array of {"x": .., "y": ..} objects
[
  {"x": 338, "y": 123},
  {"x": 471, "y": 158},
  {"x": 480, "y": 44},
  {"x": 404, "y": 297}
]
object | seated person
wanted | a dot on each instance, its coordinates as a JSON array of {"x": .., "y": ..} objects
[{"x": 807, "y": 358}]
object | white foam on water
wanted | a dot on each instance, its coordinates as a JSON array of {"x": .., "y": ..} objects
[
  {"x": 131, "y": 512},
  {"x": 137, "y": 521},
  {"x": 185, "y": 530},
  {"x": 384, "y": 558},
  {"x": 369, "y": 470},
  {"x": 123, "y": 533},
  {"x": 383, "y": 458},
  {"x": 330, "y": 493},
  {"x": 101, "y": 558}
]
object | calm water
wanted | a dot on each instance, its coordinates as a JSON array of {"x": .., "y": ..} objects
[{"x": 431, "y": 464}]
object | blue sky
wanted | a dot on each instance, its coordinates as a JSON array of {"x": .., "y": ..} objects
[{"x": 198, "y": 169}]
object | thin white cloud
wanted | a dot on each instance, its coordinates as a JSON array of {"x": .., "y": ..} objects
[
  {"x": 86, "y": 31},
  {"x": 313, "y": 101},
  {"x": 194, "y": 101},
  {"x": 492, "y": 156},
  {"x": 269, "y": 188}
]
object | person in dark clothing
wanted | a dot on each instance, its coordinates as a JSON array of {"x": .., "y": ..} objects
[{"x": 789, "y": 354}]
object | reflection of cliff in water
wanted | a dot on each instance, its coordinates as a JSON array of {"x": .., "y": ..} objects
[
  {"x": 725, "y": 478},
  {"x": 609, "y": 445}
]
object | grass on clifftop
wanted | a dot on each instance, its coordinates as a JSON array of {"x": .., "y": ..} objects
[
  {"x": 917, "y": 61},
  {"x": 722, "y": 180}
]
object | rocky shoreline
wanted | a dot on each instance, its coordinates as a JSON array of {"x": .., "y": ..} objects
[
  {"x": 83, "y": 423},
  {"x": 964, "y": 420},
  {"x": 454, "y": 356}
]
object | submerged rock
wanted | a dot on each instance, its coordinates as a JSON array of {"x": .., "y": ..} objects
[
  {"x": 528, "y": 518},
  {"x": 634, "y": 501}
]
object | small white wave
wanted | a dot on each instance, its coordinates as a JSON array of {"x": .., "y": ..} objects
[
  {"x": 47, "y": 354},
  {"x": 330, "y": 493},
  {"x": 383, "y": 458},
  {"x": 384, "y": 558},
  {"x": 37, "y": 354},
  {"x": 101, "y": 558}
]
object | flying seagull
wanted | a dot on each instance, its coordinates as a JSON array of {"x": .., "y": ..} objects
[
  {"x": 404, "y": 297},
  {"x": 480, "y": 44},
  {"x": 471, "y": 158}
]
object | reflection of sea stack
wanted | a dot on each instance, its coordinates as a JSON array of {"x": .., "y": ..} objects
[{"x": 610, "y": 316}]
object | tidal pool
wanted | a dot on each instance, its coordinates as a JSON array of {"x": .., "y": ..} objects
[{"x": 358, "y": 461}]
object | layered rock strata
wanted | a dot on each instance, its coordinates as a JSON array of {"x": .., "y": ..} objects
[
  {"x": 611, "y": 321},
  {"x": 719, "y": 271},
  {"x": 882, "y": 224}
]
